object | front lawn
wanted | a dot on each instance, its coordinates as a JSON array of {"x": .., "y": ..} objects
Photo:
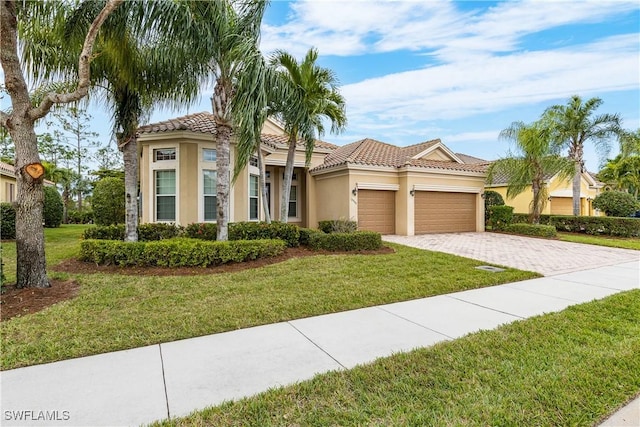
[
  {"x": 117, "y": 311},
  {"x": 572, "y": 368},
  {"x": 614, "y": 242}
]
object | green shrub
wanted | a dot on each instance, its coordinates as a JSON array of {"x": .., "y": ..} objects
[
  {"x": 338, "y": 226},
  {"x": 356, "y": 241},
  {"x": 7, "y": 221},
  {"x": 261, "y": 230},
  {"x": 500, "y": 216},
  {"x": 491, "y": 198},
  {"x": 53, "y": 209},
  {"x": 305, "y": 234},
  {"x": 179, "y": 252},
  {"x": 531, "y": 229},
  {"x": 616, "y": 203},
  {"x": 77, "y": 217},
  {"x": 595, "y": 225},
  {"x": 108, "y": 201},
  {"x": 104, "y": 232},
  {"x": 158, "y": 231},
  {"x": 201, "y": 230}
]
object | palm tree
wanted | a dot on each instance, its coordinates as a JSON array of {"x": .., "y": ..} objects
[
  {"x": 35, "y": 18},
  {"x": 573, "y": 125},
  {"x": 134, "y": 75},
  {"x": 314, "y": 97},
  {"x": 532, "y": 164},
  {"x": 623, "y": 173},
  {"x": 630, "y": 143}
]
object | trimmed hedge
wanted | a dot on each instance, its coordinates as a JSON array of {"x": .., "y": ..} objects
[
  {"x": 261, "y": 230},
  {"x": 158, "y": 231},
  {"x": 500, "y": 217},
  {"x": 104, "y": 232},
  {"x": 338, "y": 226},
  {"x": 356, "y": 241},
  {"x": 179, "y": 252},
  {"x": 594, "y": 225},
  {"x": 7, "y": 221},
  {"x": 491, "y": 198},
  {"x": 531, "y": 229}
]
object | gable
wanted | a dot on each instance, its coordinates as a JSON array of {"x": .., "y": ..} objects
[
  {"x": 272, "y": 127},
  {"x": 439, "y": 152}
]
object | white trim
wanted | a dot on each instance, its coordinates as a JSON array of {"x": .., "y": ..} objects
[
  {"x": 376, "y": 186},
  {"x": 443, "y": 147},
  {"x": 566, "y": 193},
  {"x": 447, "y": 188}
]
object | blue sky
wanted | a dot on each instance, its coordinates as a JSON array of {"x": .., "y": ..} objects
[{"x": 412, "y": 71}]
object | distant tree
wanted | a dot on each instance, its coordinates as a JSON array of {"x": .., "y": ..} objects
[
  {"x": 108, "y": 202},
  {"x": 623, "y": 173},
  {"x": 53, "y": 209},
  {"x": 573, "y": 125},
  {"x": 534, "y": 161},
  {"x": 7, "y": 150},
  {"x": 491, "y": 198},
  {"x": 616, "y": 203},
  {"x": 630, "y": 143}
]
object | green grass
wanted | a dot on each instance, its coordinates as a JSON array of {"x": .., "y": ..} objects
[
  {"x": 614, "y": 242},
  {"x": 115, "y": 312},
  {"x": 571, "y": 368}
]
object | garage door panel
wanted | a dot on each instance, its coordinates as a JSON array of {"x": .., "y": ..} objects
[
  {"x": 377, "y": 211},
  {"x": 561, "y": 206},
  {"x": 442, "y": 212}
]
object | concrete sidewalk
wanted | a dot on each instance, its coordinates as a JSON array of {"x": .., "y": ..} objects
[{"x": 170, "y": 380}]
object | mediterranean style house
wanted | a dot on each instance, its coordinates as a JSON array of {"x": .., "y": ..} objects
[
  {"x": 423, "y": 188},
  {"x": 560, "y": 201},
  {"x": 7, "y": 183}
]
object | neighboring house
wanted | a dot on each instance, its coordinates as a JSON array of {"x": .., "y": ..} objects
[
  {"x": 7, "y": 183},
  {"x": 423, "y": 188},
  {"x": 560, "y": 199}
]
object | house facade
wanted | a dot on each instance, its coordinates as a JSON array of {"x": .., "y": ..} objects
[
  {"x": 560, "y": 199},
  {"x": 8, "y": 186},
  {"x": 424, "y": 188}
]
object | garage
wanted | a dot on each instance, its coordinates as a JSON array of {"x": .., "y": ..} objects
[
  {"x": 377, "y": 211},
  {"x": 561, "y": 206},
  {"x": 444, "y": 212}
]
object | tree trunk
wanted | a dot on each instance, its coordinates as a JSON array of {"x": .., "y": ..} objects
[
  {"x": 576, "y": 187},
  {"x": 535, "y": 204},
  {"x": 286, "y": 182},
  {"x": 223, "y": 139},
  {"x": 31, "y": 262},
  {"x": 263, "y": 187},
  {"x": 130, "y": 158}
]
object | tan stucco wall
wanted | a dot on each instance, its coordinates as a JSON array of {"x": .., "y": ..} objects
[
  {"x": 333, "y": 196},
  {"x": 4, "y": 194},
  {"x": 188, "y": 180}
]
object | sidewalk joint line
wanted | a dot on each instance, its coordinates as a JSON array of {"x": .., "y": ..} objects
[
  {"x": 488, "y": 308},
  {"x": 415, "y": 323},
  {"x": 164, "y": 382},
  {"x": 312, "y": 342}
]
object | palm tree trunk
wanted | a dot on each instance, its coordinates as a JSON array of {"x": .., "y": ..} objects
[
  {"x": 536, "y": 204},
  {"x": 576, "y": 187},
  {"x": 286, "y": 182},
  {"x": 223, "y": 138},
  {"x": 130, "y": 158},
  {"x": 263, "y": 187}
]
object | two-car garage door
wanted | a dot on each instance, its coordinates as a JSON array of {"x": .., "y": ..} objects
[
  {"x": 441, "y": 212},
  {"x": 435, "y": 212}
]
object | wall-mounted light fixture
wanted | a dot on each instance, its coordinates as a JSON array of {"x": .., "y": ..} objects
[
  {"x": 589, "y": 199},
  {"x": 354, "y": 191},
  {"x": 549, "y": 198},
  {"x": 483, "y": 195},
  {"x": 412, "y": 192}
]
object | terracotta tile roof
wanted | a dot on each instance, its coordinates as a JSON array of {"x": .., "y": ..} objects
[
  {"x": 204, "y": 122},
  {"x": 470, "y": 159},
  {"x": 375, "y": 153},
  {"x": 501, "y": 178}
]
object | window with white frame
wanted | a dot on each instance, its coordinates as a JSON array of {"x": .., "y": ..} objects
[
  {"x": 163, "y": 154},
  {"x": 11, "y": 192},
  {"x": 209, "y": 155},
  {"x": 165, "y": 195},
  {"x": 293, "y": 202},
  {"x": 253, "y": 197},
  {"x": 253, "y": 161},
  {"x": 209, "y": 187}
]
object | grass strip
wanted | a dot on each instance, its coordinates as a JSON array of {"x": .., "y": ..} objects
[
  {"x": 613, "y": 242},
  {"x": 571, "y": 368},
  {"x": 117, "y": 312}
]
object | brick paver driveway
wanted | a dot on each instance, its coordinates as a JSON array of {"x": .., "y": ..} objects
[{"x": 547, "y": 257}]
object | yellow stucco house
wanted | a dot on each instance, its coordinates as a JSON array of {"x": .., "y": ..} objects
[
  {"x": 560, "y": 200},
  {"x": 423, "y": 188},
  {"x": 7, "y": 183}
]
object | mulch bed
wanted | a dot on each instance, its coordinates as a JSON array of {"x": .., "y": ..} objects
[{"x": 17, "y": 302}]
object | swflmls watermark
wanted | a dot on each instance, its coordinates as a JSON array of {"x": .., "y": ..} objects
[{"x": 31, "y": 415}]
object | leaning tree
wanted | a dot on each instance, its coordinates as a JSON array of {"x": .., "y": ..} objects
[{"x": 34, "y": 18}]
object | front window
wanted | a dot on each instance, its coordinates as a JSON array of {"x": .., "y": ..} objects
[
  {"x": 253, "y": 161},
  {"x": 253, "y": 197},
  {"x": 163, "y": 154},
  {"x": 293, "y": 202},
  {"x": 209, "y": 155},
  {"x": 165, "y": 195},
  {"x": 209, "y": 190}
]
